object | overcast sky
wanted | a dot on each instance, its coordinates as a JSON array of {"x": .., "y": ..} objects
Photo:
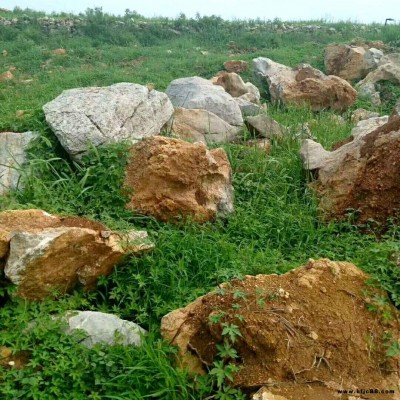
[{"x": 331, "y": 10}]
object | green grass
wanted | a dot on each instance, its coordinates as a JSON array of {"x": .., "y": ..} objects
[{"x": 274, "y": 227}]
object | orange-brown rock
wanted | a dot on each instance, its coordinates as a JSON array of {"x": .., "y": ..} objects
[
  {"x": 304, "y": 85},
  {"x": 361, "y": 175},
  {"x": 231, "y": 82},
  {"x": 44, "y": 254},
  {"x": 13, "y": 221},
  {"x": 292, "y": 329},
  {"x": 170, "y": 179},
  {"x": 236, "y": 66}
]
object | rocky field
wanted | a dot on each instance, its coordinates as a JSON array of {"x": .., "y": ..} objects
[{"x": 198, "y": 208}]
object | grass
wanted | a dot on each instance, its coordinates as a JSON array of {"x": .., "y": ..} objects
[{"x": 274, "y": 227}]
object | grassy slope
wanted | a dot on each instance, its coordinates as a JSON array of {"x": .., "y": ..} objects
[{"x": 274, "y": 227}]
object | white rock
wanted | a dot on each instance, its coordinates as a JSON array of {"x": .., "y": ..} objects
[
  {"x": 103, "y": 115},
  {"x": 104, "y": 328}
]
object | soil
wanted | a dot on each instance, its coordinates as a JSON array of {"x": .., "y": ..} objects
[{"x": 304, "y": 334}]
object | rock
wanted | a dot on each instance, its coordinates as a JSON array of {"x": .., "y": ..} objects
[
  {"x": 388, "y": 70},
  {"x": 247, "y": 107},
  {"x": 236, "y": 66},
  {"x": 366, "y": 126},
  {"x": 196, "y": 125},
  {"x": 264, "y": 126},
  {"x": 361, "y": 174},
  {"x": 265, "y": 394},
  {"x": 278, "y": 338},
  {"x": 313, "y": 155},
  {"x": 104, "y": 328},
  {"x": 172, "y": 179},
  {"x": 44, "y": 254},
  {"x": 362, "y": 114},
  {"x": 6, "y": 76},
  {"x": 102, "y": 115},
  {"x": 12, "y": 221},
  {"x": 195, "y": 92},
  {"x": 231, "y": 82},
  {"x": 13, "y": 148},
  {"x": 351, "y": 62},
  {"x": 59, "y": 51},
  {"x": 304, "y": 84}
]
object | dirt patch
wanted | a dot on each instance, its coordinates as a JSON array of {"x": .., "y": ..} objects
[{"x": 319, "y": 325}]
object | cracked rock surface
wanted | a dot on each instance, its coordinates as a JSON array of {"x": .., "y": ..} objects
[{"x": 103, "y": 115}]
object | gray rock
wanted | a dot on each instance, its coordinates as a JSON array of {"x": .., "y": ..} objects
[
  {"x": 103, "y": 115},
  {"x": 264, "y": 126},
  {"x": 12, "y": 155},
  {"x": 247, "y": 107},
  {"x": 104, "y": 328},
  {"x": 195, "y": 92}
]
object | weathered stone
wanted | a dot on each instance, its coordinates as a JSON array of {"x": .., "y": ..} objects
[
  {"x": 351, "y": 62},
  {"x": 366, "y": 126},
  {"x": 12, "y": 155},
  {"x": 247, "y": 108},
  {"x": 46, "y": 254},
  {"x": 170, "y": 179},
  {"x": 104, "y": 328},
  {"x": 195, "y": 92},
  {"x": 361, "y": 174},
  {"x": 103, "y": 115},
  {"x": 264, "y": 126},
  {"x": 316, "y": 302},
  {"x": 196, "y": 125},
  {"x": 236, "y": 66},
  {"x": 13, "y": 221},
  {"x": 361, "y": 114},
  {"x": 304, "y": 84},
  {"x": 313, "y": 155},
  {"x": 231, "y": 82},
  {"x": 388, "y": 70}
]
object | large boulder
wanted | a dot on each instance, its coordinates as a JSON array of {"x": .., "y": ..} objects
[
  {"x": 13, "y": 147},
  {"x": 102, "y": 115},
  {"x": 103, "y": 328},
  {"x": 290, "y": 327},
  {"x": 196, "y": 92},
  {"x": 303, "y": 84},
  {"x": 170, "y": 179},
  {"x": 351, "y": 62},
  {"x": 44, "y": 254},
  {"x": 361, "y": 174},
  {"x": 196, "y": 125}
]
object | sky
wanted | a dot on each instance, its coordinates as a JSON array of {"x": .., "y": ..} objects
[{"x": 288, "y": 10}]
